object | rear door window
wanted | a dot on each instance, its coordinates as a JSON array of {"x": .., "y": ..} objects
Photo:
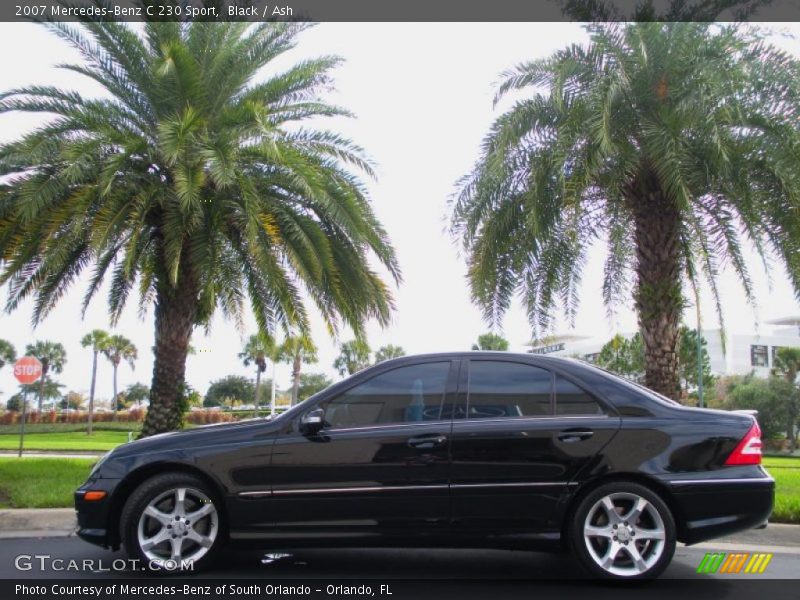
[
  {"x": 574, "y": 400},
  {"x": 499, "y": 389}
]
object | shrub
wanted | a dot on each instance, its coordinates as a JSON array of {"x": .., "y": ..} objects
[
  {"x": 204, "y": 417},
  {"x": 768, "y": 396}
]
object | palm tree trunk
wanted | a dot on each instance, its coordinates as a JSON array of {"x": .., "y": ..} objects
[
  {"x": 791, "y": 434},
  {"x": 91, "y": 394},
  {"x": 41, "y": 390},
  {"x": 658, "y": 298},
  {"x": 296, "y": 366},
  {"x": 175, "y": 313},
  {"x": 114, "y": 404},
  {"x": 258, "y": 388}
]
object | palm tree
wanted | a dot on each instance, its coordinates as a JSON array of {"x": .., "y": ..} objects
[
  {"x": 387, "y": 352},
  {"x": 786, "y": 363},
  {"x": 50, "y": 391},
  {"x": 7, "y": 353},
  {"x": 297, "y": 349},
  {"x": 191, "y": 182},
  {"x": 116, "y": 349},
  {"x": 491, "y": 341},
  {"x": 353, "y": 356},
  {"x": 96, "y": 340},
  {"x": 257, "y": 350},
  {"x": 53, "y": 357},
  {"x": 672, "y": 143}
]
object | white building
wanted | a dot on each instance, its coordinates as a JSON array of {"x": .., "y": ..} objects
[{"x": 743, "y": 352}]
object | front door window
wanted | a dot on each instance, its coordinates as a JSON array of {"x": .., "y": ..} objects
[{"x": 410, "y": 394}]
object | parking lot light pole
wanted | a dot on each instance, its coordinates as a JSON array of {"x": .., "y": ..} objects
[{"x": 699, "y": 360}]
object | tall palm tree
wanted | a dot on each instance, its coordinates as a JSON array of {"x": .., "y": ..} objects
[
  {"x": 193, "y": 183},
  {"x": 7, "y": 353},
  {"x": 257, "y": 350},
  {"x": 96, "y": 340},
  {"x": 674, "y": 144},
  {"x": 53, "y": 357},
  {"x": 296, "y": 350},
  {"x": 786, "y": 364},
  {"x": 116, "y": 349}
]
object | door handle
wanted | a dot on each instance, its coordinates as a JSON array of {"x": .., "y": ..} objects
[
  {"x": 575, "y": 435},
  {"x": 427, "y": 441}
]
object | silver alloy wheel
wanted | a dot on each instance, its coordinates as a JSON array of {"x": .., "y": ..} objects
[
  {"x": 178, "y": 527},
  {"x": 624, "y": 534}
]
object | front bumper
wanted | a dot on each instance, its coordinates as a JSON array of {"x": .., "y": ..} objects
[
  {"x": 93, "y": 516},
  {"x": 712, "y": 508}
]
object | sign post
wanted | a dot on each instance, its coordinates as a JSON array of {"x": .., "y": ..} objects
[{"x": 27, "y": 370}]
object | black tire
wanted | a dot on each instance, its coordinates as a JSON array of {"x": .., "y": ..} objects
[
  {"x": 601, "y": 546},
  {"x": 154, "y": 488}
]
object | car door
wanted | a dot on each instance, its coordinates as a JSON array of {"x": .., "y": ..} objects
[
  {"x": 519, "y": 438},
  {"x": 380, "y": 463}
]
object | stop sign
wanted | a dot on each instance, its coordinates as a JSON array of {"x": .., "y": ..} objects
[{"x": 27, "y": 369}]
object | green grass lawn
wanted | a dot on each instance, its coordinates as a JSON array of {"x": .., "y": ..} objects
[
  {"x": 41, "y": 482},
  {"x": 786, "y": 471},
  {"x": 76, "y": 440}
]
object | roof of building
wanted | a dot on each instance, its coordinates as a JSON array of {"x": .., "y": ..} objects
[
  {"x": 786, "y": 321},
  {"x": 557, "y": 339}
]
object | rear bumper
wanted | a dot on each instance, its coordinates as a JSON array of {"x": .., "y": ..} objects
[
  {"x": 719, "y": 506},
  {"x": 93, "y": 515}
]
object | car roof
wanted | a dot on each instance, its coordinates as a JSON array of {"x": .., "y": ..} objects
[{"x": 480, "y": 353}]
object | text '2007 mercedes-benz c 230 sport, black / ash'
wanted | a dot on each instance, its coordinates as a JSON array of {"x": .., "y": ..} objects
[{"x": 477, "y": 449}]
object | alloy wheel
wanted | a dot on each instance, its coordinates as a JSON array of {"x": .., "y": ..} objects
[
  {"x": 624, "y": 534},
  {"x": 178, "y": 526}
]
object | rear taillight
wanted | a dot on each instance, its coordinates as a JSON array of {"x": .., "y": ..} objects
[{"x": 748, "y": 452}]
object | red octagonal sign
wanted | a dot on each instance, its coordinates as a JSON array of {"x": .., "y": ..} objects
[{"x": 27, "y": 369}]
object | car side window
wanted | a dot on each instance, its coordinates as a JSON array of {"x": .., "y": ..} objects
[
  {"x": 572, "y": 400},
  {"x": 403, "y": 395},
  {"x": 504, "y": 389}
]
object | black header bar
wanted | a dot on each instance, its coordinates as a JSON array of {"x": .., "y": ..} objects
[{"x": 400, "y": 10}]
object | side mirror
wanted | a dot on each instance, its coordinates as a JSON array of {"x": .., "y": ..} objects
[{"x": 312, "y": 422}]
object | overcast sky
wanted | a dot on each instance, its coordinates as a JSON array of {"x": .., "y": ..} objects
[{"x": 422, "y": 94}]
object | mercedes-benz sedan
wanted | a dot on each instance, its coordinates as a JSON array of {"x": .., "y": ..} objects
[{"x": 448, "y": 450}]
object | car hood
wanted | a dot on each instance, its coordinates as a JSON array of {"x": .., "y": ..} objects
[{"x": 204, "y": 435}]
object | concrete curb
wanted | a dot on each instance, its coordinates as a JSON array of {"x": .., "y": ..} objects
[
  {"x": 52, "y": 454},
  {"x": 37, "y": 522}
]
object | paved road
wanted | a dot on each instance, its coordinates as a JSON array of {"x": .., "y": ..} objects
[{"x": 375, "y": 564}]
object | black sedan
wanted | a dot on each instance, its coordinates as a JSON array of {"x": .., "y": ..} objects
[{"x": 472, "y": 449}]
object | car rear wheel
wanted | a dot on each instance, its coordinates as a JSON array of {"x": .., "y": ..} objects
[
  {"x": 623, "y": 530},
  {"x": 172, "y": 523}
]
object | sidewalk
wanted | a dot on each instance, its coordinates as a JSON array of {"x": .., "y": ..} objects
[
  {"x": 60, "y": 522},
  {"x": 37, "y": 522},
  {"x": 53, "y": 454}
]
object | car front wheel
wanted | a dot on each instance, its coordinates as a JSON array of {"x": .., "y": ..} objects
[
  {"x": 623, "y": 530},
  {"x": 172, "y": 523}
]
